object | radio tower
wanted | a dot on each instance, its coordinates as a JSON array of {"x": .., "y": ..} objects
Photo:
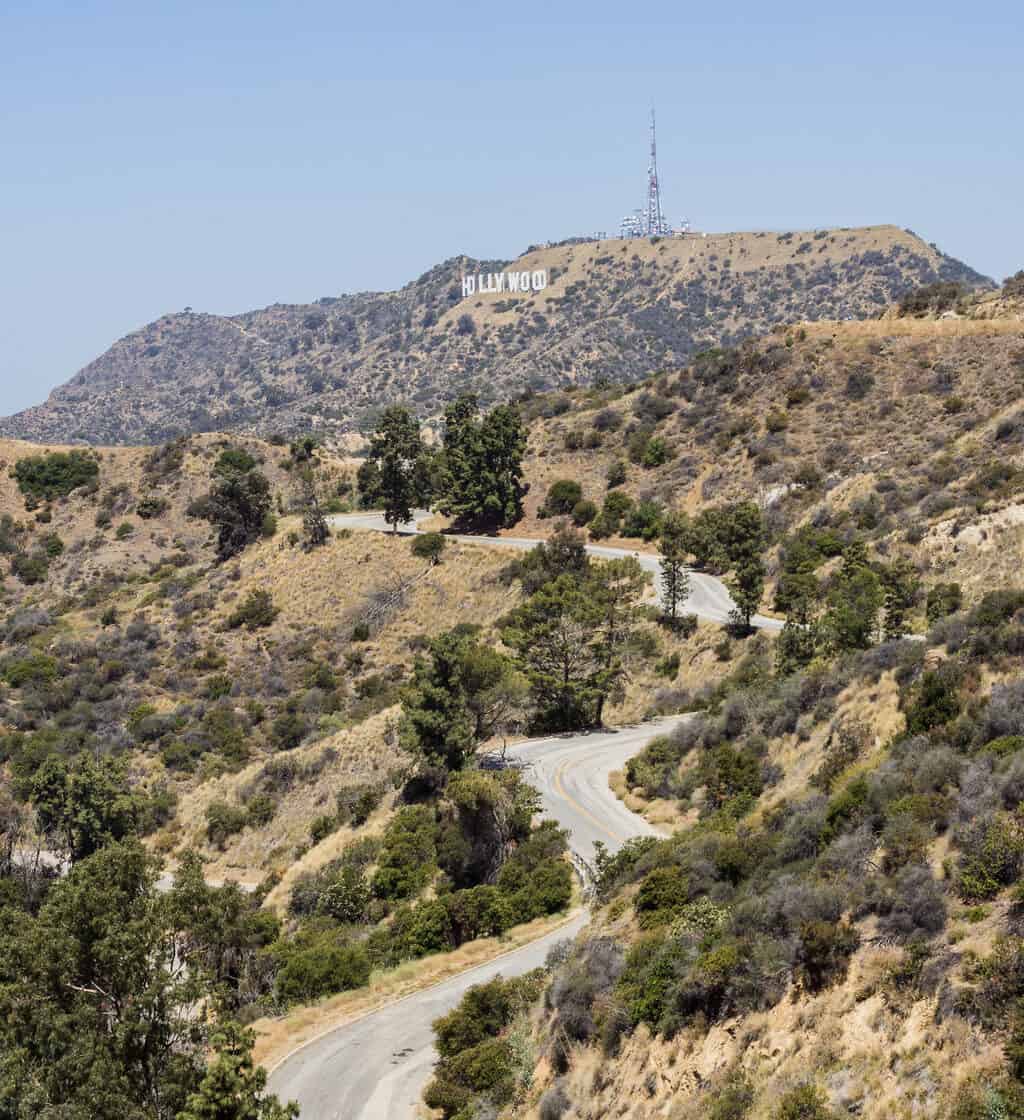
[
  {"x": 656, "y": 224},
  {"x": 649, "y": 222}
]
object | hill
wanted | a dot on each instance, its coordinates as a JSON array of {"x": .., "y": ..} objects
[{"x": 613, "y": 310}]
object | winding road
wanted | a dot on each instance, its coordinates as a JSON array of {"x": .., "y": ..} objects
[
  {"x": 376, "y": 1067},
  {"x": 709, "y": 597}
]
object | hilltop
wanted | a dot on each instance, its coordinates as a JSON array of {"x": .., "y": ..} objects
[{"x": 613, "y": 311}]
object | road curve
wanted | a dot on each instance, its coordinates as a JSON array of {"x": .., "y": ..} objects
[
  {"x": 709, "y": 597},
  {"x": 376, "y": 1068}
]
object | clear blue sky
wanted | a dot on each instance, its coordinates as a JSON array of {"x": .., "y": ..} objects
[{"x": 225, "y": 155}]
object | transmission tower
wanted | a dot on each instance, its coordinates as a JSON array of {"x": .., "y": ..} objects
[
  {"x": 656, "y": 224},
  {"x": 649, "y": 222}
]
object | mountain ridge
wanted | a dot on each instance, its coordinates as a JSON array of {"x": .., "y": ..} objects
[{"x": 613, "y": 310}]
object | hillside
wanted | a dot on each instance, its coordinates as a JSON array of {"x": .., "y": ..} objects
[{"x": 613, "y": 310}]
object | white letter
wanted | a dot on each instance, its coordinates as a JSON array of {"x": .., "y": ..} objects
[
  {"x": 540, "y": 280},
  {"x": 501, "y": 281},
  {"x": 513, "y": 281},
  {"x": 468, "y": 284},
  {"x": 524, "y": 281}
]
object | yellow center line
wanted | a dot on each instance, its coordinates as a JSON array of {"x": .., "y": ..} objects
[{"x": 563, "y": 792}]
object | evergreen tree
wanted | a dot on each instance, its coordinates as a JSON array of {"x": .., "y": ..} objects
[
  {"x": 481, "y": 469},
  {"x": 853, "y": 603},
  {"x": 901, "y": 589},
  {"x": 399, "y": 456},
  {"x": 747, "y": 588},
  {"x": 314, "y": 525},
  {"x": 570, "y": 637},
  {"x": 675, "y": 575},
  {"x": 458, "y": 697},
  {"x": 239, "y": 506},
  {"x": 232, "y": 1088}
]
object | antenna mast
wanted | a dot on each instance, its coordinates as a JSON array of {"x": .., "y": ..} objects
[
  {"x": 649, "y": 222},
  {"x": 656, "y": 224}
]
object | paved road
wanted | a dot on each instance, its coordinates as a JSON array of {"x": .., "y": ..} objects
[
  {"x": 709, "y": 598},
  {"x": 377, "y": 1067}
]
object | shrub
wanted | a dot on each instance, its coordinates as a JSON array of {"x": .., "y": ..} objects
[
  {"x": 223, "y": 820},
  {"x": 124, "y": 530},
  {"x": 655, "y": 454},
  {"x": 346, "y": 896},
  {"x": 943, "y": 599},
  {"x": 776, "y": 421},
  {"x": 562, "y": 496},
  {"x": 151, "y": 506},
  {"x": 991, "y": 854},
  {"x": 608, "y": 420},
  {"x": 255, "y": 612},
  {"x": 859, "y": 383},
  {"x": 429, "y": 546},
  {"x": 320, "y": 968},
  {"x": 555, "y": 1103},
  {"x": 321, "y": 827},
  {"x": 806, "y": 1102},
  {"x": 288, "y": 730},
  {"x": 409, "y": 854},
  {"x": 55, "y": 474},
  {"x": 30, "y": 567},
  {"x": 616, "y": 474},
  {"x": 584, "y": 511},
  {"x": 825, "y": 951},
  {"x": 233, "y": 460}
]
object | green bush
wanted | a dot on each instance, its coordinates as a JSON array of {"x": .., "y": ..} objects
[
  {"x": 124, "y": 530},
  {"x": 584, "y": 511},
  {"x": 562, "y": 496},
  {"x": 616, "y": 474},
  {"x": 347, "y": 896},
  {"x": 662, "y": 893},
  {"x": 806, "y": 1102},
  {"x": 429, "y": 546},
  {"x": 223, "y": 821},
  {"x": 233, "y": 460},
  {"x": 320, "y": 966},
  {"x": 656, "y": 453},
  {"x": 151, "y": 506},
  {"x": 943, "y": 599},
  {"x": 321, "y": 827},
  {"x": 255, "y": 612},
  {"x": 409, "y": 855},
  {"x": 36, "y": 668},
  {"x": 55, "y": 474},
  {"x": 30, "y": 567}
]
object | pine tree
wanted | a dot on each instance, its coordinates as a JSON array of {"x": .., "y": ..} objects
[
  {"x": 232, "y": 1088},
  {"x": 481, "y": 471},
  {"x": 747, "y": 588},
  {"x": 401, "y": 461},
  {"x": 675, "y": 575}
]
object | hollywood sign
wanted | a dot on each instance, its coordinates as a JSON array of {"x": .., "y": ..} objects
[{"x": 505, "y": 282}]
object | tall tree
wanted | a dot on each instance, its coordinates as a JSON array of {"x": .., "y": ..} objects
[
  {"x": 901, "y": 590},
  {"x": 675, "y": 575},
  {"x": 481, "y": 473},
  {"x": 458, "y": 697},
  {"x": 85, "y": 804},
  {"x": 239, "y": 506},
  {"x": 314, "y": 525},
  {"x": 853, "y": 603},
  {"x": 397, "y": 452},
  {"x": 570, "y": 637},
  {"x": 747, "y": 588}
]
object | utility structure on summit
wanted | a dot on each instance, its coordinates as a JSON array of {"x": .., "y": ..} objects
[{"x": 650, "y": 221}]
